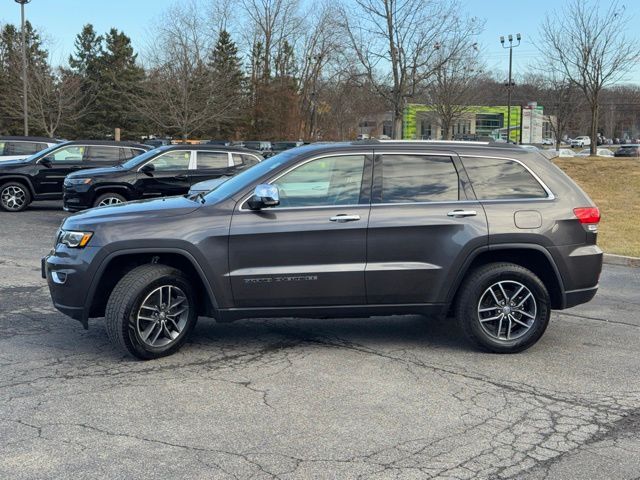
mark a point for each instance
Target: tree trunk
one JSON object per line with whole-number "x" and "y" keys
{"x": 594, "y": 128}
{"x": 397, "y": 125}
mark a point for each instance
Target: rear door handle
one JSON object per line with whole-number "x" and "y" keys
{"x": 343, "y": 217}
{"x": 181, "y": 177}
{"x": 462, "y": 213}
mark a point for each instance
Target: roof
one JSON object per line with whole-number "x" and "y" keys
{"x": 30, "y": 139}
{"x": 217, "y": 148}
{"x": 109, "y": 143}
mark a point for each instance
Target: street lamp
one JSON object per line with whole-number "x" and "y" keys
{"x": 510, "y": 83}
{"x": 24, "y": 67}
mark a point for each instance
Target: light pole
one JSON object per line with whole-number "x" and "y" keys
{"x": 509, "y": 83}
{"x": 24, "y": 68}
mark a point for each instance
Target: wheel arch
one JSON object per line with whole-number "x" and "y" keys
{"x": 536, "y": 258}
{"x": 22, "y": 179}
{"x": 120, "y": 189}
{"x": 118, "y": 263}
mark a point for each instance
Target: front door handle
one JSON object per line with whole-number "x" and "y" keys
{"x": 181, "y": 177}
{"x": 343, "y": 217}
{"x": 462, "y": 213}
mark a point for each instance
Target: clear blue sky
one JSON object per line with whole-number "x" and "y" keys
{"x": 61, "y": 20}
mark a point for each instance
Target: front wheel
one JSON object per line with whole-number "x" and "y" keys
{"x": 151, "y": 311}
{"x": 503, "y": 308}
{"x": 107, "y": 199}
{"x": 14, "y": 197}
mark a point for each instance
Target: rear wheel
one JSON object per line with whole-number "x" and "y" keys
{"x": 151, "y": 311}
{"x": 503, "y": 307}
{"x": 109, "y": 199}
{"x": 14, "y": 197}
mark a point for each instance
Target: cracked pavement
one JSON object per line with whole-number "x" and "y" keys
{"x": 389, "y": 397}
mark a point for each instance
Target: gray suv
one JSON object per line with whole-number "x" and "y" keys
{"x": 495, "y": 235}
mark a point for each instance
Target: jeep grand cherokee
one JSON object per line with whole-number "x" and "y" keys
{"x": 495, "y": 234}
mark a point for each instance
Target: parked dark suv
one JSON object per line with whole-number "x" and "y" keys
{"x": 40, "y": 176}
{"x": 497, "y": 235}
{"x": 164, "y": 171}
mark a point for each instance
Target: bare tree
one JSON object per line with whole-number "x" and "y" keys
{"x": 453, "y": 91}
{"x": 402, "y": 37}
{"x": 588, "y": 47}
{"x": 562, "y": 101}
{"x": 55, "y": 100}
{"x": 275, "y": 22}
{"x": 318, "y": 48}
{"x": 180, "y": 93}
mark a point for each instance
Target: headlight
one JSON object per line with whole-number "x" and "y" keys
{"x": 74, "y": 239}
{"x": 77, "y": 181}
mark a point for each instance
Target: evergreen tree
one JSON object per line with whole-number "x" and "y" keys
{"x": 228, "y": 80}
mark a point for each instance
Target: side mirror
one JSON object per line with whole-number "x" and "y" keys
{"x": 148, "y": 169}
{"x": 264, "y": 196}
{"x": 46, "y": 161}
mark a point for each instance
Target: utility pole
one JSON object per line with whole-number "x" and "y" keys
{"x": 25, "y": 110}
{"x": 510, "y": 83}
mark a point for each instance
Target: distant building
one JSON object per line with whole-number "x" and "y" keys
{"x": 528, "y": 124}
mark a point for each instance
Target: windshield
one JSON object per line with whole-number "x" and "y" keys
{"x": 144, "y": 156}
{"x": 249, "y": 176}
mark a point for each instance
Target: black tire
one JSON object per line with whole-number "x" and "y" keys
{"x": 125, "y": 303}
{"x": 487, "y": 334}
{"x": 106, "y": 196}
{"x": 14, "y": 197}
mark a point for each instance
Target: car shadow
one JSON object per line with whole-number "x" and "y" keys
{"x": 384, "y": 332}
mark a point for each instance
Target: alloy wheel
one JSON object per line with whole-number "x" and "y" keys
{"x": 13, "y": 197}
{"x": 109, "y": 201}
{"x": 507, "y": 310}
{"x": 162, "y": 316}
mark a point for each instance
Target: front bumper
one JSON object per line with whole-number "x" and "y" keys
{"x": 69, "y": 274}
{"x": 74, "y": 201}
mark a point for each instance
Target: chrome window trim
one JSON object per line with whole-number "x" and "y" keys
{"x": 550, "y": 195}
{"x": 298, "y": 165}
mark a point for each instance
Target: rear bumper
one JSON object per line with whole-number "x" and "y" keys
{"x": 578, "y": 297}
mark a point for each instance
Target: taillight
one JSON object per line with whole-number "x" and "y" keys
{"x": 589, "y": 216}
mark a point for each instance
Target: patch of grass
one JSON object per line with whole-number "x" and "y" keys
{"x": 614, "y": 185}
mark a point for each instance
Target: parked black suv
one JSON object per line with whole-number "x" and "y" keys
{"x": 497, "y": 235}
{"x": 164, "y": 171}
{"x": 40, "y": 176}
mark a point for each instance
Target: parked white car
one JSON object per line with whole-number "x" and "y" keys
{"x": 547, "y": 141}
{"x": 562, "y": 153}
{"x": 582, "y": 141}
{"x": 600, "y": 152}
{"x": 17, "y": 148}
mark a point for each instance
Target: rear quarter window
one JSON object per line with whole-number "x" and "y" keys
{"x": 501, "y": 179}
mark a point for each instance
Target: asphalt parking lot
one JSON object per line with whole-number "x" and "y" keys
{"x": 393, "y": 397}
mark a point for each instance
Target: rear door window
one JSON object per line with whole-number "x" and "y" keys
{"x": 212, "y": 160}
{"x": 103, "y": 154}
{"x": 501, "y": 179}
{"x": 23, "y": 148}
{"x": 411, "y": 178}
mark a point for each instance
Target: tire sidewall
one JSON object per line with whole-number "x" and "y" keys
{"x": 470, "y": 314}
{"x": 27, "y": 196}
{"x": 130, "y": 332}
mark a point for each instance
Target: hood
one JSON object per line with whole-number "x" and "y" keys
{"x": 140, "y": 212}
{"x": 96, "y": 172}
{"x": 10, "y": 164}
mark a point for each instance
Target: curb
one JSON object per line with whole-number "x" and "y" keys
{"x": 611, "y": 259}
